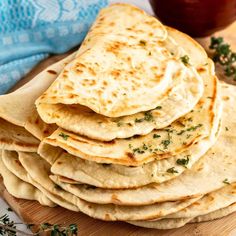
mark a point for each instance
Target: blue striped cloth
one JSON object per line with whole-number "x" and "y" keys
{"x": 30, "y": 30}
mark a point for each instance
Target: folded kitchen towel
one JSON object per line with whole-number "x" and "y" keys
{"x": 32, "y": 29}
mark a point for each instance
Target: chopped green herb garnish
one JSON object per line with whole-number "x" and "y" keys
{"x": 226, "y": 128}
{"x": 139, "y": 120}
{"x": 183, "y": 162}
{"x": 226, "y": 181}
{"x": 138, "y": 150}
{"x": 181, "y": 132}
{"x": 172, "y": 170}
{"x": 165, "y": 143}
{"x": 119, "y": 123}
{"x": 156, "y": 136}
{"x": 64, "y": 136}
{"x": 224, "y": 56}
{"x": 145, "y": 147}
{"x": 148, "y": 116}
{"x": 158, "y": 108}
{"x": 193, "y": 128}
{"x": 185, "y": 59}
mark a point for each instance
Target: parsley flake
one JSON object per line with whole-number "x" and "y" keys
{"x": 226, "y": 181}
{"x": 156, "y": 136}
{"x": 172, "y": 170}
{"x": 185, "y": 59}
{"x": 184, "y": 161}
{"x": 64, "y": 136}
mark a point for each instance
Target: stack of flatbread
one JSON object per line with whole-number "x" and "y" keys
{"x": 134, "y": 127}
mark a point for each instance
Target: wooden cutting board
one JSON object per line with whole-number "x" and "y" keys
{"x": 33, "y": 212}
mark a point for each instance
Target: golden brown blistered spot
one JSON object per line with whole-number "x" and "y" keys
{"x": 211, "y": 198}
{"x": 78, "y": 71}
{"x": 52, "y": 72}
{"x": 201, "y": 69}
{"x": 65, "y": 76}
{"x": 89, "y": 206}
{"x": 114, "y": 94}
{"x": 107, "y": 217}
{"x": 112, "y": 24}
{"x": 158, "y": 77}
{"x": 154, "y": 68}
{"x": 78, "y": 64}
{"x": 196, "y": 203}
{"x": 225, "y": 98}
{"x": 71, "y": 95}
{"x": 115, "y": 199}
{"x": 115, "y": 73}
{"x": 104, "y": 83}
{"x": 101, "y": 19}
{"x": 150, "y": 34}
{"x": 115, "y": 46}
{"x": 68, "y": 87}
{"x": 130, "y": 155}
{"x": 91, "y": 70}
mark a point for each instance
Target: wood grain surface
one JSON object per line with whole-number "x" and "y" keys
{"x": 33, "y": 212}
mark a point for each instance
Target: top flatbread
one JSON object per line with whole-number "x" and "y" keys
{"x": 184, "y": 93}
{"x": 122, "y": 68}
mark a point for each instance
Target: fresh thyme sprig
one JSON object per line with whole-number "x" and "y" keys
{"x": 8, "y": 227}
{"x": 224, "y": 56}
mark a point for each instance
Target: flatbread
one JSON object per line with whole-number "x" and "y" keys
{"x": 131, "y": 56}
{"x": 82, "y": 120}
{"x": 156, "y": 145}
{"x": 13, "y": 137}
{"x": 20, "y": 125}
{"x": 20, "y": 189}
{"x": 210, "y": 202}
{"x": 118, "y": 176}
{"x": 207, "y": 175}
{"x": 179, "y": 222}
{"x": 38, "y": 175}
